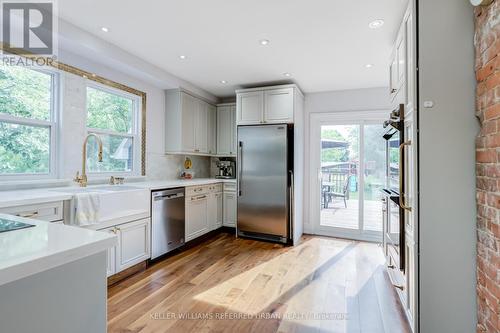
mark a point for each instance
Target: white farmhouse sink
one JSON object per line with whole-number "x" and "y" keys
{"x": 118, "y": 203}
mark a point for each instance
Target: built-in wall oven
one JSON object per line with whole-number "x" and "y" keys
{"x": 393, "y": 212}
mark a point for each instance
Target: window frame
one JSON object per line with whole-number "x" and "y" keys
{"x": 135, "y": 132}
{"x": 51, "y": 125}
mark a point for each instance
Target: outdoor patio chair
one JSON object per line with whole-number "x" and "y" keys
{"x": 331, "y": 193}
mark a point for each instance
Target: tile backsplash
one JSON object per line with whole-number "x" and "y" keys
{"x": 163, "y": 167}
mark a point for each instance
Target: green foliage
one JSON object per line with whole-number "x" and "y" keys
{"x": 333, "y": 154}
{"x": 24, "y": 93}
{"x": 110, "y": 112}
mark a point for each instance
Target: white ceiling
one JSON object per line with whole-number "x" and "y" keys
{"x": 324, "y": 44}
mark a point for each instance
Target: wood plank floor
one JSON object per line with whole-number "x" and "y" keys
{"x": 238, "y": 285}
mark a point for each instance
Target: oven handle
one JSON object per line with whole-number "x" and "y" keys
{"x": 401, "y": 176}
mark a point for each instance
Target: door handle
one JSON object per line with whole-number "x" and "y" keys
{"x": 401, "y": 176}
{"x": 240, "y": 166}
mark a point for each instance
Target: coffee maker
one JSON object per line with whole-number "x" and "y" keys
{"x": 227, "y": 170}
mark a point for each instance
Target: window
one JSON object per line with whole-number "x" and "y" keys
{"x": 27, "y": 122}
{"x": 113, "y": 115}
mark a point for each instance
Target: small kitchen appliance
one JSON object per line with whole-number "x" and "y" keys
{"x": 226, "y": 170}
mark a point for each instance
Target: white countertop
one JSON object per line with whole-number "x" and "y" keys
{"x": 164, "y": 184}
{"x": 29, "y": 251}
{"x": 43, "y": 195}
{"x": 33, "y": 196}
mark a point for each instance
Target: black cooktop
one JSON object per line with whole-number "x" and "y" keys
{"x": 9, "y": 225}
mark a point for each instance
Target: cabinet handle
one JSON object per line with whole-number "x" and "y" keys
{"x": 27, "y": 215}
{"x": 401, "y": 176}
{"x": 198, "y": 198}
{"x": 393, "y": 90}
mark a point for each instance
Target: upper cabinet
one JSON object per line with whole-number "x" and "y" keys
{"x": 226, "y": 130}
{"x": 190, "y": 124}
{"x": 250, "y": 107}
{"x": 266, "y": 105}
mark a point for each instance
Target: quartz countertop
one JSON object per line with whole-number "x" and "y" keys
{"x": 43, "y": 195}
{"x": 29, "y": 197}
{"x": 165, "y": 184}
{"x": 29, "y": 251}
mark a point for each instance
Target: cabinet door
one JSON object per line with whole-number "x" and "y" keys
{"x": 212, "y": 211}
{"x": 189, "y": 115}
{"x": 133, "y": 243}
{"x": 233, "y": 138}
{"x": 201, "y": 131}
{"x": 220, "y": 213}
{"x": 250, "y": 107}
{"x": 224, "y": 130}
{"x": 212, "y": 129}
{"x": 111, "y": 255}
{"x": 229, "y": 205}
{"x": 393, "y": 76}
{"x": 196, "y": 216}
{"x": 278, "y": 106}
{"x": 410, "y": 67}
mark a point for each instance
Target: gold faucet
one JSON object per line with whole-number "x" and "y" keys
{"x": 82, "y": 180}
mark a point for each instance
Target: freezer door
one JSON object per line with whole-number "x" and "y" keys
{"x": 262, "y": 201}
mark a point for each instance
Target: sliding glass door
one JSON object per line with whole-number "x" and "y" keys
{"x": 350, "y": 160}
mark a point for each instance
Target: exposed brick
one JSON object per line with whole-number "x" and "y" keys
{"x": 487, "y": 66}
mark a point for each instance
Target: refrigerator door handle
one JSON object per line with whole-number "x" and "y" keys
{"x": 292, "y": 199}
{"x": 240, "y": 165}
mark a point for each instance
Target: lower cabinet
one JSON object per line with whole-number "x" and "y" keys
{"x": 196, "y": 216}
{"x": 134, "y": 245}
{"x": 209, "y": 207}
{"x": 215, "y": 210}
{"x": 229, "y": 204}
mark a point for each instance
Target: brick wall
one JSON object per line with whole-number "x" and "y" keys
{"x": 487, "y": 43}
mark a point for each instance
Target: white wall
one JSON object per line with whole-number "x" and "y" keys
{"x": 110, "y": 62}
{"x": 337, "y": 101}
{"x": 447, "y": 167}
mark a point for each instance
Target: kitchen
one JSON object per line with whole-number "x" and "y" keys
{"x": 234, "y": 183}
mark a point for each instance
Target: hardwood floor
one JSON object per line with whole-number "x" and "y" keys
{"x": 238, "y": 285}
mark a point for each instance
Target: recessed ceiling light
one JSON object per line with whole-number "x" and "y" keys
{"x": 369, "y": 65}
{"x": 182, "y": 57}
{"x": 287, "y": 74}
{"x": 376, "y": 24}
{"x": 223, "y": 81}
{"x": 264, "y": 41}
{"x": 105, "y": 29}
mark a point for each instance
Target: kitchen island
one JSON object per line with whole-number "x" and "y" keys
{"x": 53, "y": 278}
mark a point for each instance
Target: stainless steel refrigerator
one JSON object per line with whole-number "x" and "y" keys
{"x": 265, "y": 182}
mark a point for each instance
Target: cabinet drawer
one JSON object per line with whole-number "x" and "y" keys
{"x": 229, "y": 187}
{"x": 196, "y": 190}
{"x": 51, "y": 211}
{"x": 215, "y": 188}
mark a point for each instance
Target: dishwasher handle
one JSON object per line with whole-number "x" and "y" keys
{"x": 169, "y": 196}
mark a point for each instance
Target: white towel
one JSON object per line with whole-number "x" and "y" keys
{"x": 87, "y": 206}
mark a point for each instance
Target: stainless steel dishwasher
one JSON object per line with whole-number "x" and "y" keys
{"x": 167, "y": 221}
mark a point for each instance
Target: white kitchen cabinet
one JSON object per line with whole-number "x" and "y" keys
{"x": 189, "y": 115}
{"x": 196, "y": 216}
{"x": 278, "y": 106}
{"x": 212, "y": 129}
{"x": 250, "y": 107}
{"x": 267, "y": 105}
{"x": 230, "y": 206}
{"x": 111, "y": 255}
{"x": 215, "y": 213}
{"x": 133, "y": 243}
{"x": 189, "y": 124}
{"x": 50, "y": 211}
{"x": 226, "y": 130}
{"x": 201, "y": 128}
